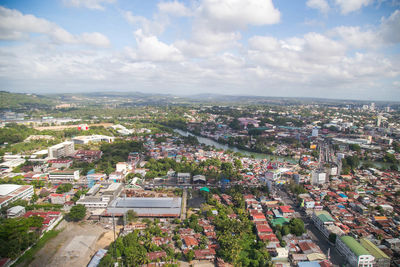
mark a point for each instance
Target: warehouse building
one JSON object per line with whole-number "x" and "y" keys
{"x": 355, "y": 254}
{"x": 146, "y": 207}
{"x": 381, "y": 259}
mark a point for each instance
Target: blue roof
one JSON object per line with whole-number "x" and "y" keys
{"x": 342, "y": 195}
{"x": 308, "y": 264}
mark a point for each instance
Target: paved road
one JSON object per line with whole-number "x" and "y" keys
{"x": 184, "y": 201}
{"x": 336, "y": 258}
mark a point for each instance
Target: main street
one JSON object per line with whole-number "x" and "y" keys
{"x": 336, "y": 258}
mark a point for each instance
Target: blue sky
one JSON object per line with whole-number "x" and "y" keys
{"x": 314, "y": 48}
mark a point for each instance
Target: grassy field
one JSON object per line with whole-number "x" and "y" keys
{"x": 28, "y": 256}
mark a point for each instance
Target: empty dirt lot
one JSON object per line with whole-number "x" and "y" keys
{"x": 74, "y": 246}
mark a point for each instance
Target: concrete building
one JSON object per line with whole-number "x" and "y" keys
{"x": 92, "y": 138}
{"x": 355, "y": 254}
{"x": 64, "y": 176}
{"x": 100, "y": 195}
{"x": 318, "y": 177}
{"x": 64, "y": 149}
{"x": 322, "y": 219}
{"x": 15, "y": 212}
{"x": 314, "y": 132}
{"x": 381, "y": 259}
{"x": 12, "y": 192}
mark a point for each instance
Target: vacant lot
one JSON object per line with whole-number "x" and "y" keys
{"x": 74, "y": 246}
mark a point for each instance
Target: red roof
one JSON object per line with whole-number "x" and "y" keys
{"x": 286, "y": 209}
{"x": 190, "y": 241}
{"x": 156, "y": 255}
{"x": 264, "y": 228}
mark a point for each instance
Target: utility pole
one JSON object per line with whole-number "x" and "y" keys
{"x": 114, "y": 252}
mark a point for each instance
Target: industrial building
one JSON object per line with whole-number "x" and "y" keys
{"x": 354, "y": 252}
{"x": 146, "y": 206}
{"x": 381, "y": 259}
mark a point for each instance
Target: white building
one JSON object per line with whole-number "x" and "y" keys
{"x": 12, "y": 192}
{"x": 15, "y": 212}
{"x": 64, "y": 149}
{"x": 318, "y": 178}
{"x": 64, "y": 176}
{"x": 355, "y": 254}
{"x": 92, "y": 138}
{"x": 314, "y": 132}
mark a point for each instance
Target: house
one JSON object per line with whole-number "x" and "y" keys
{"x": 204, "y": 254}
{"x": 154, "y": 256}
{"x": 116, "y": 177}
{"x": 286, "y": 211}
{"x": 189, "y": 242}
{"x": 50, "y": 218}
{"x": 199, "y": 179}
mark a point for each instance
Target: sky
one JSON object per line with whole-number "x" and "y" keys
{"x": 343, "y": 49}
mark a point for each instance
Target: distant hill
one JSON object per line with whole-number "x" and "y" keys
{"x": 23, "y": 101}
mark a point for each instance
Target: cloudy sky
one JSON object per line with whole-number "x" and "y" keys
{"x": 315, "y": 48}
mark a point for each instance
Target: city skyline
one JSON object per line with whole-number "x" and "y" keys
{"x": 315, "y": 48}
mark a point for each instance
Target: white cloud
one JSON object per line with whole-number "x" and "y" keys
{"x": 321, "y": 5}
{"x": 16, "y": 26}
{"x": 356, "y": 38}
{"x": 95, "y": 39}
{"x": 91, "y": 4}
{"x": 174, "y": 8}
{"x": 149, "y": 48}
{"x": 232, "y": 15}
{"x": 390, "y": 28}
{"x": 348, "y": 6}
{"x": 155, "y": 26}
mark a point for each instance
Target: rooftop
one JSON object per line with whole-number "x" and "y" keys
{"x": 354, "y": 246}
{"x": 6, "y": 189}
{"x": 374, "y": 250}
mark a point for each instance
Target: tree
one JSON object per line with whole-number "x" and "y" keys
{"x": 77, "y": 213}
{"x": 296, "y": 226}
{"x": 34, "y": 198}
{"x": 190, "y": 255}
{"x": 131, "y": 216}
{"x": 332, "y": 238}
{"x": 63, "y": 188}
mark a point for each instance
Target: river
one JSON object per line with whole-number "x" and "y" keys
{"x": 211, "y": 142}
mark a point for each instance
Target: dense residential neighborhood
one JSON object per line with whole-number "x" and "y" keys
{"x": 301, "y": 185}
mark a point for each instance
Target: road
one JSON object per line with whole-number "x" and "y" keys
{"x": 336, "y": 258}
{"x": 184, "y": 201}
